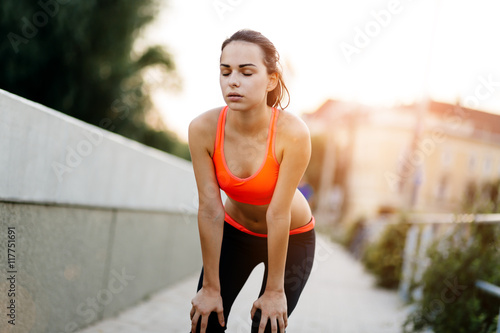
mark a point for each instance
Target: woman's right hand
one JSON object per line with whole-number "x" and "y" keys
{"x": 204, "y": 303}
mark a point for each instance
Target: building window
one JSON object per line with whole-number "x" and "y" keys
{"x": 487, "y": 166}
{"x": 446, "y": 159}
{"x": 442, "y": 188}
{"x": 472, "y": 163}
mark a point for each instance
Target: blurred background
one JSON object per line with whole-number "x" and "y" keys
{"x": 383, "y": 71}
{"x": 402, "y": 99}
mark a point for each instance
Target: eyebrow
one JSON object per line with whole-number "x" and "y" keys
{"x": 240, "y": 66}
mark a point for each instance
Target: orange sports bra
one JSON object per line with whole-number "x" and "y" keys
{"x": 257, "y": 189}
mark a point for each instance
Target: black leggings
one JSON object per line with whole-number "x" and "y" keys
{"x": 241, "y": 252}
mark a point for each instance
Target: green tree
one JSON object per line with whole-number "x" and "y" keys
{"x": 78, "y": 57}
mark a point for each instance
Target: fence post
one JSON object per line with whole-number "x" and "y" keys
{"x": 492, "y": 290}
{"x": 408, "y": 261}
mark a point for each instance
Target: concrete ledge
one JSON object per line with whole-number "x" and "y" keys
{"x": 50, "y": 157}
{"x": 76, "y": 266}
{"x": 100, "y": 221}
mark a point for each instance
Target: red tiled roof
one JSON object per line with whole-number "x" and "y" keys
{"x": 482, "y": 121}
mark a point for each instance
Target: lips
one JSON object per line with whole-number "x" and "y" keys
{"x": 234, "y": 97}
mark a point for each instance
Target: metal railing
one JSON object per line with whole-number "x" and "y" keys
{"x": 492, "y": 290}
{"x": 419, "y": 239}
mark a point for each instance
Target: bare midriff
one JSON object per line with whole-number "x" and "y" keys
{"x": 253, "y": 217}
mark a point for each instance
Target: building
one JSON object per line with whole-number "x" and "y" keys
{"x": 427, "y": 157}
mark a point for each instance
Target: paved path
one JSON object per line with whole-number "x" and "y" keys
{"x": 339, "y": 297}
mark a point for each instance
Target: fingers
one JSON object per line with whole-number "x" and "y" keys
{"x": 204, "y": 323}
{"x": 276, "y": 322}
{"x": 191, "y": 313}
{"x": 194, "y": 322}
{"x": 274, "y": 326}
{"x": 252, "y": 312}
{"x": 220, "y": 314}
{"x": 282, "y": 324}
{"x": 262, "y": 324}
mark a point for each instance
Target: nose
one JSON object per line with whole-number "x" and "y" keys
{"x": 233, "y": 80}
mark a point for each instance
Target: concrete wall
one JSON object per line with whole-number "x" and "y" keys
{"x": 100, "y": 221}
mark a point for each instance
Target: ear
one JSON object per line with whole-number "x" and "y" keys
{"x": 273, "y": 81}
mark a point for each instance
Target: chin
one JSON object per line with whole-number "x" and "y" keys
{"x": 237, "y": 106}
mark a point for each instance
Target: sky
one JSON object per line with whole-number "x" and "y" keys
{"x": 375, "y": 52}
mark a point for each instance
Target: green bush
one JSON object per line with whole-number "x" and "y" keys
{"x": 384, "y": 258}
{"x": 353, "y": 231}
{"x": 451, "y": 303}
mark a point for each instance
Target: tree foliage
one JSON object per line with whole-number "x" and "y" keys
{"x": 78, "y": 57}
{"x": 482, "y": 198}
{"x": 451, "y": 303}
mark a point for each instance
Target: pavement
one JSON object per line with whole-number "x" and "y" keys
{"x": 339, "y": 297}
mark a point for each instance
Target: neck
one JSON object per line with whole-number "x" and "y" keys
{"x": 250, "y": 122}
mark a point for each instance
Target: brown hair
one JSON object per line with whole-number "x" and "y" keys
{"x": 271, "y": 60}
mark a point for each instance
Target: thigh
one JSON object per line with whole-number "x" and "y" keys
{"x": 239, "y": 256}
{"x": 299, "y": 263}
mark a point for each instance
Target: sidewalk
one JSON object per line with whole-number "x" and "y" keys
{"x": 339, "y": 297}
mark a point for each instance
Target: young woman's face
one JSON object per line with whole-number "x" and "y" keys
{"x": 243, "y": 76}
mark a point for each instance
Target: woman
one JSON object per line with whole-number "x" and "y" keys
{"x": 257, "y": 154}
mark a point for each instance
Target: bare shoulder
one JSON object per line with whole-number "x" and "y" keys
{"x": 292, "y": 136}
{"x": 290, "y": 126}
{"x": 202, "y": 129}
{"x": 205, "y": 122}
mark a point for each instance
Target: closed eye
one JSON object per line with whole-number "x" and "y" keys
{"x": 245, "y": 74}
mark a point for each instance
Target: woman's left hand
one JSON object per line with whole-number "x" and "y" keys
{"x": 273, "y": 306}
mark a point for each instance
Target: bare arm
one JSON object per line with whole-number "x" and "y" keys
{"x": 296, "y": 155}
{"x": 210, "y": 223}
